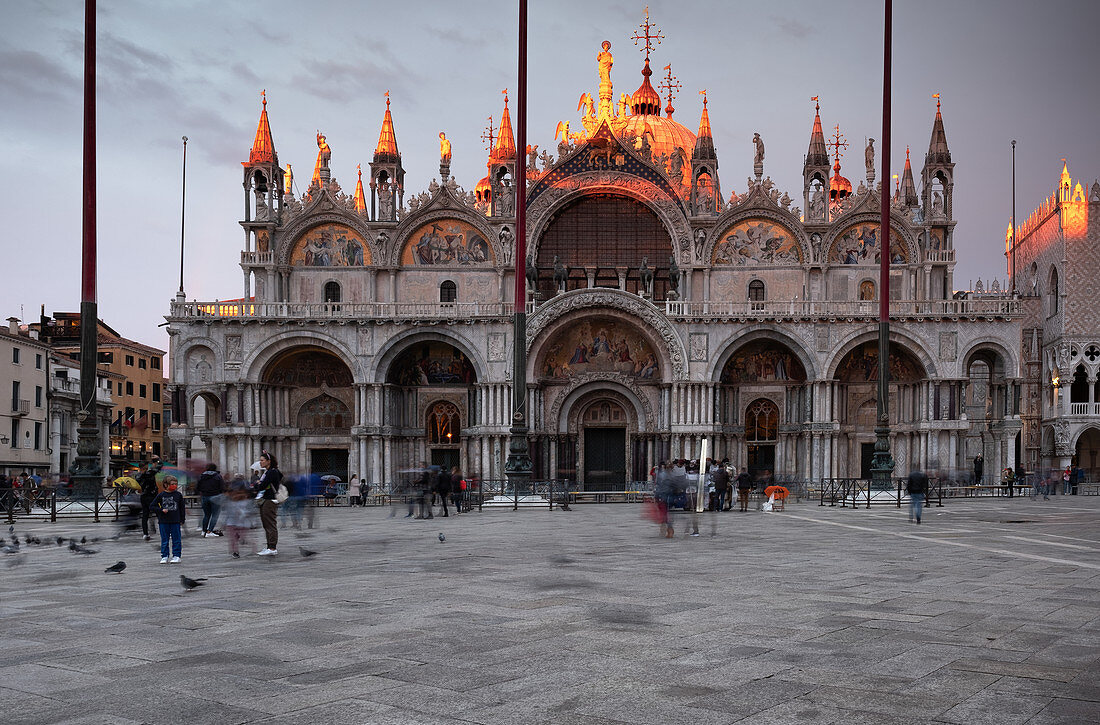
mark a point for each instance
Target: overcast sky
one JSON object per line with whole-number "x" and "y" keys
{"x": 1006, "y": 69}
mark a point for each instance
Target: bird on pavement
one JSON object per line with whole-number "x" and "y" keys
{"x": 83, "y": 550}
{"x": 306, "y": 553}
{"x": 83, "y": 539}
{"x": 116, "y": 569}
{"x": 189, "y": 584}
{"x": 442, "y": 538}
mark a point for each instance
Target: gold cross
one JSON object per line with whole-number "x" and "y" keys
{"x": 838, "y": 142}
{"x": 646, "y": 36}
{"x": 670, "y": 83}
{"x": 488, "y": 136}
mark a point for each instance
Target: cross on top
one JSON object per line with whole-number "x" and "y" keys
{"x": 658, "y": 36}
{"x": 670, "y": 83}
{"x": 488, "y": 136}
{"x": 838, "y": 142}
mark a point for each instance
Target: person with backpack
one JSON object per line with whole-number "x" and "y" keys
{"x": 171, "y": 512}
{"x": 210, "y": 488}
{"x": 265, "y": 490}
{"x": 721, "y": 479}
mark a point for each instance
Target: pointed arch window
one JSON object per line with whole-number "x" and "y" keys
{"x": 762, "y": 422}
{"x": 1053, "y": 292}
{"x": 443, "y": 424}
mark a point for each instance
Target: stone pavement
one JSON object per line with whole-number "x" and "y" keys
{"x": 985, "y": 613}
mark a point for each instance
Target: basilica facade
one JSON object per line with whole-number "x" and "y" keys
{"x": 374, "y": 331}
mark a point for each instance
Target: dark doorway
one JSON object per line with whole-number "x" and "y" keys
{"x": 761, "y": 457}
{"x": 329, "y": 461}
{"x": 866, "y": 458}
{"x": 604, "y": 458}
{"x": 445, "y": 458}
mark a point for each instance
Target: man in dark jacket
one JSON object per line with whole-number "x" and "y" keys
{"x": 210, "y": 488}
{"x": 721, "y": 478}
{"x": 443, "y": 488}
{"x": 744, "y": 485}
{"x": 148, "y": 481}
{"x": 171, "y": 513}
{"x": 917, "y": 489}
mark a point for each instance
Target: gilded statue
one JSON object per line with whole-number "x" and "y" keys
{"x": 324, "y": 152}
{"x": 444, "y": 149}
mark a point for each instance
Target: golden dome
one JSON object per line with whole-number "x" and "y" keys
{"x": 839, "y": 187}
{"x": 667, "y": 136}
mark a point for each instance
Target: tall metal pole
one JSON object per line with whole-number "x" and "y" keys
{"x": 183, "y": 213}
{"x": 86, "y": 470}
{"x": 517, "y": 467}
{"x": 882, "y": 466}
{"x": 1012, "y": 249}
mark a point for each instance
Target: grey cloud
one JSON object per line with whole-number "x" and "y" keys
{"x": 791, "y": 27}
{"x": 26, "y": 73}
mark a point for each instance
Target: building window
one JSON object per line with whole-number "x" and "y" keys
{"x": 155, "y": 363}
{"x": 37, "y": 436}
{"x": 105, "y": 358}
{"x": 130, "y": 360}
{"x": 332, "y": 291}
{"x": 443, "y": 424}
{"x": 448, "y": 292}
{"x": 156, "y": 392}
{"x": 38, "y": 396}
{"x": 15, "y": 355}
{"x": 1053, "y": 291}
{"x": 110, "y": 386}
{"x": 129, "y": 388}
{"x": 38, "y": 362}
{"x": 142, "y": 390}
{"x": 757, "y": 295}
{"x": 15, "y": 395}
{"x": 14, "y": 432}
{"x": 141, "y": 363}
{"x": 156, "y": 448}
{"x": 154, "y": 423}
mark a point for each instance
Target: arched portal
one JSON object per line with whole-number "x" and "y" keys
{"x": 762, "y": 396}
{"x": 856, "y": 406}
{"x": 1087, "y": 454}
{"x": 310, "y": 388}
{"x": 601, "y": 240}
{"x": 431, "y": 397}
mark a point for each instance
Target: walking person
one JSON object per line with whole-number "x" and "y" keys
{"x": 721, "y": 479}
{"x": 353, "y": 490}
{"x": 917, "y": 489}
{"x": 239, "y": 516}
{"x": 210, "y": 488}
{"x": 171, "y": 512}
{"x": 265, "y": 490}
{"x": 147, "y": 479}
{"x": 364, "y": 491}
{"x": 457, "y": 488}
{"x": 1008, "y": 479}
{"x": 979, "y": 469}
{"x": 1067, "y": 478}
{"x": 443, "y": 488}
{"x": 662, "y": 497}
{"x": 744, "y": 485}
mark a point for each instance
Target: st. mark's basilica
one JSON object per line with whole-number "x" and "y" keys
{"x": 374, "y": 329}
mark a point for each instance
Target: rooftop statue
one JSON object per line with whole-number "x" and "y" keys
{"x": 869, "y": 156}
{"x": 444, "y": 149}
{"x": 324, "y": 153}
{"x": 759, "y": 143}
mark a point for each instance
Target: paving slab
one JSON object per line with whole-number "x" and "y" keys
{"x": 811, "y": 615}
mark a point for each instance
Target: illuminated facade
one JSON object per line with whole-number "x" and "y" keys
{"x": 1055, "y": 262}
{"x": 373, "y": 333}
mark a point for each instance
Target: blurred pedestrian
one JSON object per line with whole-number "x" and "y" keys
{"x": 917, "y": 489}
{"x": 1008, "y": 479}
{"x": 721, "y": 479}
{"x": 1067, "y": 478}
{"x": 744, "y": 486}
{"x": 456, "y": 491}
{"x": 210, "y": 488}
{"x": 265, "y": 491}
{"x": 979, "y": 469}
{"x": 443, "y": 488}
{"x": 239, "y": 516}
{"x": 364, "y": 492}
{"x": 353, "y": 490}
{"x": 171, "y": 512}
{"x": 147, "y": 479}
{"x": 663, "y": 496}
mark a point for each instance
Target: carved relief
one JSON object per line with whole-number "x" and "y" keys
{"x": 233, "y": 348}
{"x": 948, "y": 346}
{"x": 495, "y": 347}
{"x": 697, "y": 347}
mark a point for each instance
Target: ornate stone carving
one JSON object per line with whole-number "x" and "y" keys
{"x": 602, "y": 379}
{"x": 495, "y": 348}
{"x": 698, "y": 347}
{"x": 233, "y": 348}
{"x": 948, "y": 346}
{"x": 587, "y": 300}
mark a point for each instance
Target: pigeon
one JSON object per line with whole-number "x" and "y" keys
{"x": 83, "y": 539}
{"x": 60, "y": 540}
{"x": 306, "y": 553}
{"x": 84, "y": 550}
{"x": 442, "y": 538}
{"x": 189, "y": 584}
{"x": 116, "y": 569}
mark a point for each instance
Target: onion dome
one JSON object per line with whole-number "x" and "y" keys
{"x": 505, "y": 148}
{"x": 645, "y": 100}
{"x": 839, "y": 187}
{"x": 360, "y": 198}
{"x": 263, "y": 148}
{"x": 666, "y": 136}
{"x": 386, "y": 151}
{"x": 704, "y": 142}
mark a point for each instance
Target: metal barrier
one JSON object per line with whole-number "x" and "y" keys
{"x": 856, "y": 492}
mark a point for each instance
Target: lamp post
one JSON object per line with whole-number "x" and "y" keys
{"x": 1012, "y": 249}
{"x": 882, "y": 465}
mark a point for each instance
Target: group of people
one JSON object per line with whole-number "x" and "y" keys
{"x": 434, "y": 487}
{"x": 675, "y": 487}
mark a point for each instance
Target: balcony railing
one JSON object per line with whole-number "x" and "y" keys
{"x": 1084, "y": 408}
{"x": 839, "y": 310}
{"x": 20, "y": 407}
{"x": 941, "y": 255}
{"x": 257, "y": 257}
{"x": 798, "y": 309}
{"x": 341, "y": 310}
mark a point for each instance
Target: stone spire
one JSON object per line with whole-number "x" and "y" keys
{"x": 360, "y": 197}
{"x": 938, "y": 153}
{"x": 263, "y": 148}
{"x": 704, "y": 141}
{"x": 386, "y": 151}
{"x": 817, "y": 155}
{"x": 908, "y": 188}
{"x": 505, "y": 148}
